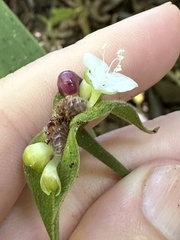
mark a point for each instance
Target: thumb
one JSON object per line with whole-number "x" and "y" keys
{"x": 143, "y": 205}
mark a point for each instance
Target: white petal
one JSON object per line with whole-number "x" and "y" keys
{"x": 93, "y": 63}
{"x": 112, "y": 82}
{"x": 120, "y": 83}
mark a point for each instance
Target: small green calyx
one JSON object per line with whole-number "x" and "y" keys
{"x": 87, "y": 91}
{"x": 37, "y": 155}
{"x": 50, "y": 181}
{"x": 86, "y": 77}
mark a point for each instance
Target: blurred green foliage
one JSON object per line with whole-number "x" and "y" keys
{"x": 18, "y": 47}
{"x": 57, "y": 15}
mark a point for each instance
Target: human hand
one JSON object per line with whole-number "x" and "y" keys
{"x": 99, "y": 206}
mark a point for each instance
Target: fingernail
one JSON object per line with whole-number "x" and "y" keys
{"x": 161, "y": 200}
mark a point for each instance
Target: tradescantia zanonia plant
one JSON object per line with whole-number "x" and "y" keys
{"x": 51, "y": 161}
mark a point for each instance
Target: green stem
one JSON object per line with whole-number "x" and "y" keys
{"x": 87, "y": 142}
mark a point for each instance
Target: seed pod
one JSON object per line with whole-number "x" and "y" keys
{"x": 37, "y": 155}
{"x": 68, "y": 83}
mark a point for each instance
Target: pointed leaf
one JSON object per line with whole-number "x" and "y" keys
{"x": 129, "y": 114}
{"x": 47, "y": 205}
{"x": 69, "y": 165}
{"x": 67, "y": 170}
{"x": 87, "y": 142}
{"x": 118, "y": 108}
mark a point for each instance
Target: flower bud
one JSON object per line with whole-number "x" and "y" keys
{"x": 37, "y": 155}
{"x": 68, "y": 83}
{"x": 50, "y": 181}
{"x": 85, "y": 90}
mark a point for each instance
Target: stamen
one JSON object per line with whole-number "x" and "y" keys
{"x": 120, "y": 53}
{"x": 109, "y": 69}
{"x": 118, "y": 68}
{"x": 119, "y": 58}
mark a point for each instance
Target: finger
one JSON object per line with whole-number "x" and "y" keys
{"x": 95, "y": 178}
{"x": 143, "y": 205}
{"x": 35, "y": 84}
{"x": 133, "y": 147}
{"x": 24, "y": 221}
{"x": 26, "y": 97}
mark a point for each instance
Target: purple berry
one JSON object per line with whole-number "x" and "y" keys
{"x": 68, "y": 83}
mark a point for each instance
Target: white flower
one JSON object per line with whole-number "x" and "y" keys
{"x": 101, "y": 77}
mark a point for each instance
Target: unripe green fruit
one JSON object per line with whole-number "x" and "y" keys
{"x": 50, "y": 181}
{"x": 37, "y": 155}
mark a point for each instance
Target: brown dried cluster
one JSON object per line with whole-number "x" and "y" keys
{"x": 57, "y": 128}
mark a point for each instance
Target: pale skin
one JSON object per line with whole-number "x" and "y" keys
{"x": 100, "y": 205}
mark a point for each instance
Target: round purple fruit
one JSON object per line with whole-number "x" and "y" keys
{"x": 68, "y": 83}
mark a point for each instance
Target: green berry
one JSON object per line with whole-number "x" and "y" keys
{"x": 37, "y": 155}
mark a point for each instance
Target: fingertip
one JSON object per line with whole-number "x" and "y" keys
{"x": 160, "y": 201}
{"x": 119, "y": 212}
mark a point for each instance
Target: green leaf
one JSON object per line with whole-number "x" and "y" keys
{"x": 57, "y": 15}
{"x": 129, "y": 114}
{"x": 60, "y": 14}
{"x": 57, "y": 98}
{"x": 47, "y": 205}
{"x": 40, "y": 137}
{"x": 87, "y": 142}
{"x": 119, "y": 108}
{"x": 17, "y": 46}
{"x": 69, "y": 165}
{"x": 67, "y": 170}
